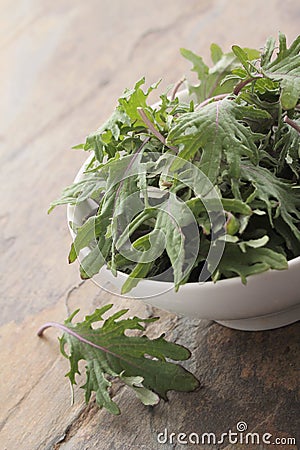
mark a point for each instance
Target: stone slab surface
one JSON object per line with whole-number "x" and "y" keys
{"x": 64, "y": 64}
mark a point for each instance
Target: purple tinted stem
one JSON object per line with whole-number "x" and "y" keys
{"x": 152, "y": 128}
{"x": 73, "y": 333}
{"x": 211, "y": 99}
{"x": 292, "y": 123}
{"x": 244, "y": 83}
{"x": 176, "y": 87}
{"x": 65, "y": 329}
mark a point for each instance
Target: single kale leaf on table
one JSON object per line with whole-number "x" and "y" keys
{"x": 142, "y": 364}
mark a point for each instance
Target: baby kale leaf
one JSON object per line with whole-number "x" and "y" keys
{"x": 248, "y": 261}
{"x": 145, "y": 365}
{"x": 213, "y": 80}
{"x": 285, "y": 69}
{"x": 279, "y": 197}
{"x": 220, "y": 131}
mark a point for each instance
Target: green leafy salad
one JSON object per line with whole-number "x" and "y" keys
{"x": 210, "y": 171}
{"x": 239, "y": 126}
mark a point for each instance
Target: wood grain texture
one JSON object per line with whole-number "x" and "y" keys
{"x": 64, "y": 64}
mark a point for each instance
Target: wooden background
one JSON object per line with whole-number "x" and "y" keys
{"x": 63, "y": 66}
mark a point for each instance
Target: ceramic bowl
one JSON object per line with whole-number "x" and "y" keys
{"x": 268, "y": 300}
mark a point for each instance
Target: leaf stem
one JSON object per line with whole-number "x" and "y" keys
{"x": 66, "y": 329}
{"x": 152, "y": 128}
{"x": 244, "y": 83}
{"x": 292, "y": 123}
{"x": 135, "y": 155}
{"x": 211, "y": 99}
{"x": 176, "y": 87}
{"x": 236, "y": 91}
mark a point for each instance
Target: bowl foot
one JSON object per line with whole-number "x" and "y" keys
{"x": 267, "y": 322}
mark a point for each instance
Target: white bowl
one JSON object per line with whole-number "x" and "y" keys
{"x": 269, "y": 300}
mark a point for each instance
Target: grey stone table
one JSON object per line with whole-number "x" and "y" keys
{"x": 64, "y": 64}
